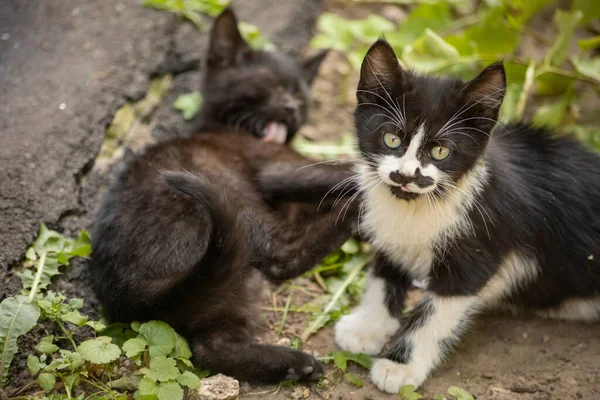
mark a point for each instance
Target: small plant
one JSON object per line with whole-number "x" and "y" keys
{"x": 340, "y": 360}
{"x": 190, "y": 9}
{"x": 407, "y": 392}
{"x": 189, "y": 104}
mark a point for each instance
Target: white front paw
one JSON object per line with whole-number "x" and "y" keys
{"x": 358, "y": 334}
{"x": 390, "y": 376}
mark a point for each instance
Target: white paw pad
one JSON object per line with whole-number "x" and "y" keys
{"x": 390, "y": 376}
{"x": 358, "y": 334}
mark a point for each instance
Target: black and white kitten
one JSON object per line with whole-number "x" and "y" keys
{"x": 509, "y": 218}
{"x": 184, "y": 231}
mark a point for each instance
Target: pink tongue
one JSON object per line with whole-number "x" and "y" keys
{"x": 275, "y": 132}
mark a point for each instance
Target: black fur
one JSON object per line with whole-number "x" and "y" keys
{"x": 183, "y": 233}
{"x": 540, "y": 200}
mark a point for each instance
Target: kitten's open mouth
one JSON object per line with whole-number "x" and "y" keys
{"x": 275, "y": 132}
{"x": 402, "y": 192}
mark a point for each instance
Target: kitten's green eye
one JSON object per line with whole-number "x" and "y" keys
{"x": 391, "y": 140}
{"x": 439, "y": 153}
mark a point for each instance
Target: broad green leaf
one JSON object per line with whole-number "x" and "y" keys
{"x": 162, "y": 369}
{"x": 492, "y": 37}
{"x": 46, "y": 347}
{"x": 361, "y": 359}
{"x": 33, "y": 364}
{"x": 181, "y": 349}
{"x": 130, "y": 382}
{"x": 439, "y": 397}
{"x": 159, "y": 336}
{"x": 339, "y": 360}
{"x": 47, "y": 381}
{"x": 354, "y": 380}
{"x": 551, "y": 115}
{"x": 99, "y": 350}
{"x": 70, "y": 381}
{"x": 75, "y": 304}
{"x": 590, "y": 43}
{"x": 147, "y": 387}
{"x": 134, "y": 346}
{"x": 189, "y": 104}
{"x": 189, "y": 379}
{"x": 589, "y": 8}
{"x": 97, "y": 326}
{"x": 74, "y": 317}
{"x": 254, "y": 37}
{"x": 589, "y": 67}
{"x": 170, "y": 391}
{"x": 551, "y": 84}
{"x": 459, "y": 393}
{"x": 17, "y": 316}
{"x": 434, "y": 16}
{"x": 119, "y": 333}
{"x": 566, "y": 23}
{"x": 408, "y": 393}
{"x": 527, "y": 8}
{"x": 430, "y": 53}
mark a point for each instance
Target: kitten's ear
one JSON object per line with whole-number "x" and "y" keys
{"x": 310, "y": 66}
{"x": 380, "y": 71}
{"x": 226, "y": 45}
{"x": 488, "y": 88}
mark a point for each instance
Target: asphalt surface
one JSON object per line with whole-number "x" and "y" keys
{"x": 65, "y": 68}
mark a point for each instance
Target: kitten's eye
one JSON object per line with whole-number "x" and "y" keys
{"x": 439, "y": 153}
{"x": 391, "y": 140}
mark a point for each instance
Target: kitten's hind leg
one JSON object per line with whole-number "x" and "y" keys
{"x": 234, "y": 352}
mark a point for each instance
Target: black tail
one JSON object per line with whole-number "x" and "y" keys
{"x": 227, "y": 230}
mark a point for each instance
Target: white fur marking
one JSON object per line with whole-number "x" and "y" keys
{"x": 370, "y": 325}
{"x": 575, "y": 310}
{"x": 409, "y": 231}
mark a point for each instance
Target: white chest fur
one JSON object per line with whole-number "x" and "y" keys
{"x": 410, "y": 232}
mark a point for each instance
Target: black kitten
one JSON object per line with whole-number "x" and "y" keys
{"x": 511, "y": 218}
{"x": 181, "y": 235}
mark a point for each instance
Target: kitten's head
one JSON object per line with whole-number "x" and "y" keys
{"x": 419, "y": 134}
{"x": 264, "y": 93}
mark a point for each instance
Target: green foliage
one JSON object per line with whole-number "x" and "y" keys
{"x": 18, "y": 315}
{"x": 340, "y": 360}
{"x": 407, "y": 392}
{"x": 459, "y": 394}
{"x": 99, "y": 350}
{"x": 344, "y": 281}
{"x": 432, "y": 40}
{"x": 254, "y": 37}
{"x": 189, "y": 104}
{"x": 190, "y": 9}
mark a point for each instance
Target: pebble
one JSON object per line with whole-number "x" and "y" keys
{"x": 62, "y": 106}
{"x": 285, "y": 342}
{"x": 218, "y": 387}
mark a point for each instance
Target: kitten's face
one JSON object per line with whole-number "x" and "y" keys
{"x": 264, "y": 93}
{"x": 420, "y": 135}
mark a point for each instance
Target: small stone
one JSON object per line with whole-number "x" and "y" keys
{"x": 306, "y": 393}
{"x": 591, "y": 257}
{"x": 75, "y": 12}
{"x": 297, "y": 394}
{"x": 525, "y": 335}
{"x": 546, "y": 339}
{"x": 5, "y": 36}
{"x": 285, "y": 342}
{"x": 218, "y": 387}
{"x": 62, "y": 106}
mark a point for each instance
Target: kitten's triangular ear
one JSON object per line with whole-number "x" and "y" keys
{"x": 310, "y": 66}
{"x": 226, "y": 43}
{"x": 488, "y": 88}
{"x": 380, "y": 70}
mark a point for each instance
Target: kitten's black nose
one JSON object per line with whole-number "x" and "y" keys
{"x": 401, "y": 179}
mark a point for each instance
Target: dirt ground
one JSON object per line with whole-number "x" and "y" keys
{"x": 503, "y": 357}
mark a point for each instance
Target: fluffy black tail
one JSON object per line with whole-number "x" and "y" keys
{"x": 227, "y": 229}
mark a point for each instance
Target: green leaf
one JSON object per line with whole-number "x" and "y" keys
{"x": 33, "y": 364}
{"x": 181, "y": 349}
{"x": 169, "y": 391}
{"x": 46, "y": 347}
{"x": 70, "y": 381}
{"x": 147, "y": 387}
{"x": 254, "y": 37}
{"x": 339, "y": 360}
{"x": 97, "y": 326}
{"x": 134, "y": 346}
{"x": 589, "y": 8}
{"x": 408, "y": 393}
{"x": 189, "y": 104}
{"x": 435, "y": 17}
{"x": 439, "y": 397}
{"x": 588, "y": 67}
{"x": 163, "y": 369}
{"x": 130, "y": 382}
{"x": 351, "y": 246}
{"x": 189, "y": 379}
{"x": 459, "y": 393}
{"x": 159, "y": 336}
{"x": 99, "y": 350}
{"x": 551, "y": 115}
{"x": 587, "y": 134}
{"x": 493, "y": 37}
{"x": 354, "y": 380}
{"x": 361, "y": 359}
{"x": 47, "y": 381}
{"x": 74, "y": 317}
{"x": 589, "y": 43}
{"x": 17, "y": 316}
{"x": 430, "y": 53}
{"x": 566, "y": 23}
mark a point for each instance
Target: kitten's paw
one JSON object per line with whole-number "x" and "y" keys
{"x": 390, "y": 376}
{"x": 358, "y": 333}
{"x": 304, "y": 367}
